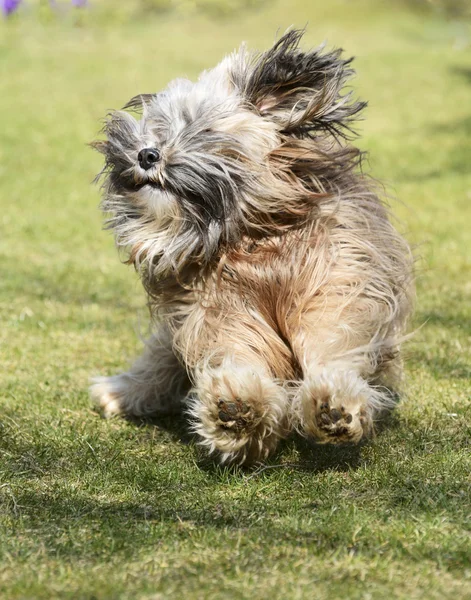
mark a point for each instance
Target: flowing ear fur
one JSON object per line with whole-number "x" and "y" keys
{"x": 300, "y": 90}
{"x": 137, "y": 102}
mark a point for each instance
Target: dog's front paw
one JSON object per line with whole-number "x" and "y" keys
{"x": 238, "y": 413}
{"x": 334, "y": 408}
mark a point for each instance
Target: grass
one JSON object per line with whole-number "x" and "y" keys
{"x": 95, "y": 509}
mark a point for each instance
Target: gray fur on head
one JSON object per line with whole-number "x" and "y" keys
{"x": 231, "y": 155}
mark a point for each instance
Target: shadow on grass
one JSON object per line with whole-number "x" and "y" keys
{"x": 450, "y": 364}
{"x": 71, "y": 500}
{"x": 92, "y": 523}
{"x": 443, "y": 367}
{"x": 312, "y": 457}
{"x": 455, "y": 161}
{"x": 455, "y": 320}
{"x": 462, "y": 72}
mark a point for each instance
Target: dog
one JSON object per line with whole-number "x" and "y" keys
{"x": 278, "y": 288}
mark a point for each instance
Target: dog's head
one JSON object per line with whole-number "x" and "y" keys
{"x": 244, "y": 152}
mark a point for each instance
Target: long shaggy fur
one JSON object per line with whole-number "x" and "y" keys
{"x": 279, "y": 288}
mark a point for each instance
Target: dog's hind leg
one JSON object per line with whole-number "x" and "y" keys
{"x": 155, "y": 384}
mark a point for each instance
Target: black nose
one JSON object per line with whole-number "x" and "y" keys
{"x": 148, "y": 157}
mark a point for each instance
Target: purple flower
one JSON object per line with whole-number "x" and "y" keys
{"x": 9, "y": 6}
{"x": 79, "y": 3}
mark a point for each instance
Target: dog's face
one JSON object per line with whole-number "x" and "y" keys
{"x": 241, "y": 152}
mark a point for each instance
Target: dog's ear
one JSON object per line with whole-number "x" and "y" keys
{"x": 300, "y": 90}
{"x": 137, "y": 102}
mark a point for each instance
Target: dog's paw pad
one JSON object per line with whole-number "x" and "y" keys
{"x": 339, "y": 425}
{"x": 235, "y": 414}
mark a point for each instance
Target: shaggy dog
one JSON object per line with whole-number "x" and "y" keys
{"x": 279, "y": 288}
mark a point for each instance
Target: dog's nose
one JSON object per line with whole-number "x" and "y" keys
{"x": 148, "y": 157}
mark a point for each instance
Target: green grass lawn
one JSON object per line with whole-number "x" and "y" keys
{"x": 96, "y": 509}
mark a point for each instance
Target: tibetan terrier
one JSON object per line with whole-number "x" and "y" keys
{"x": 279, "y": 289}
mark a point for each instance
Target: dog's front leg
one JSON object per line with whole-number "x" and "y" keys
{"x": 155, "y": 384}
{"x": 340, "y": 395}
{"x": 239, "y": 411}
{"x": 335, "y": 405}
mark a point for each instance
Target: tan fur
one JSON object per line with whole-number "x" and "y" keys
{"x": 289, "y": 313}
